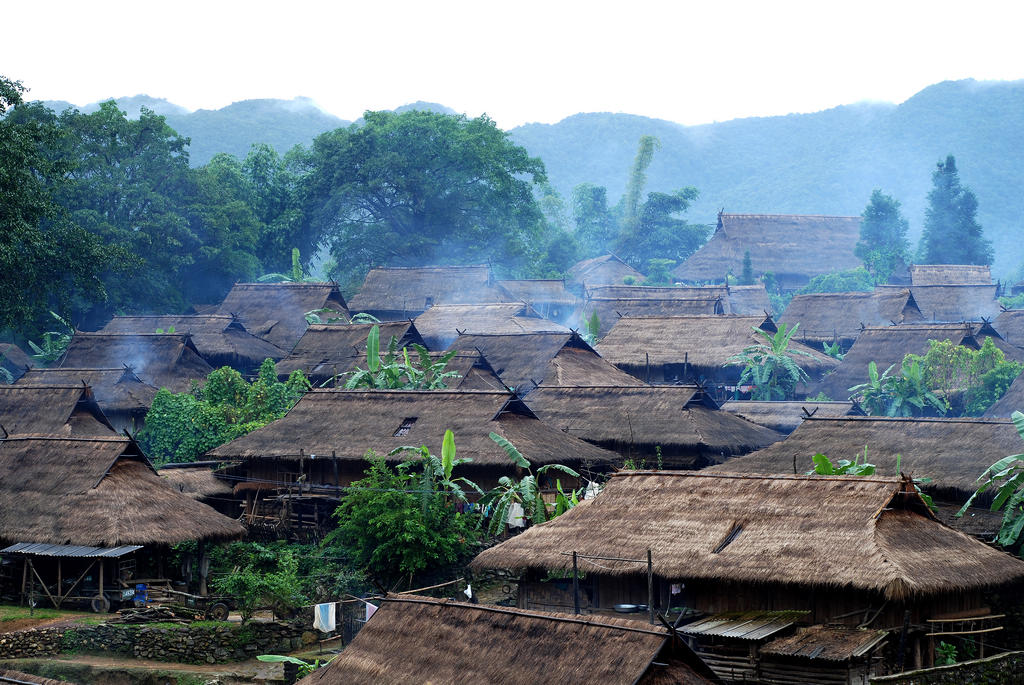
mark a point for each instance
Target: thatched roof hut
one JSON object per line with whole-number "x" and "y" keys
{"x": 952, "y": 452}
{"x": 840, "y": 317}
{"x": 766, "y": 531}
{"x": 612, "y": 302}
{"x": 326, "y": 350}
{"x": 220, "y": 339}
{"x": 348, "y": 423}
{"x": 15, "y": 360}
{"x": 524, "y": 361}
{"x": 680, "y": 421}
{"x": 124, "y": 397}
{"x": 785, "y": 417}
{"x": 547, "y": 296}
{"x": 953, "y": 303}
{"x": 404, "y": 292}
{"x": 196, "y": 479}
{"x": 604, "y": 270}
{"x": 688, "y": 348}
{"x": 167, "y": 360}
{"x": 950, "y": 274}
{"x": 793, "y": 247}
{"x": 443, "y": 323}
{"x": 492, "y": 644}
{"x": 52, "y": 410}
{"x": 1010, "y": 324}
{"x": 887, "y": 345}
{"x": 473, "y": 372}
{"x": 749, "y": 300}
{"x": 276, "y": 312}
{"x": 96, "y": 492}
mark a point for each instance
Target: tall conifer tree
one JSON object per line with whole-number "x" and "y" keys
{"x": 951, "y": 231}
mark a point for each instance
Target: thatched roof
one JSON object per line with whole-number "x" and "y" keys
{"x": 786, "y": 416}
{"x": 524, "y": 361}
{"x": 443, "y": 323}
{"x": 1011, "y": 401}
{"x": 611, "y": 303}
{"x": 348, "y": 423}
{"x": 162, "y": 360}
{"x": 414, "y": 639}
{"x": 474, "y": 373}
{"x": 407, "y": 291}
{"x": 749, "y": 300}
{"x": 276, "y": 312}
{"x": 325, "y": 350}
{"x": 827, "y": 317}
{"x": 784, "y": 244}
{"x": 116, "y": 390}
{"x": 220, "y": 339}
{"x": 780, "y": 530}
{"x": 95, "y": 491}
{"x": 681, "y": 420}
{"x": 1010, "y": 324}
{"x": 952, "y": 452}
{"x": 14, "y": 359}
{"x": 701, "y": 344}
{"x": 950, "y": 274}
{"x": 52, "y": 410}
{"x": 540, "y": 291}
{"x": 604, "y": 270}
{"x": 886, "y": 345}
{"x": 196, "y": 480}
{"x": 953, "y": 303}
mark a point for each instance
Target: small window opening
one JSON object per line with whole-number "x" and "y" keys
{"x": 404, "y": 428}
{"x": 429, "y": 302}
{"x": 727, "y": 540}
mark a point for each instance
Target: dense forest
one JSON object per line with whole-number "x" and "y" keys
{"x": 822, "y": 163}
{"x": 111, "y": 212}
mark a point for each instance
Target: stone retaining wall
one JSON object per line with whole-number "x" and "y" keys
{"x": 217, "y": 643}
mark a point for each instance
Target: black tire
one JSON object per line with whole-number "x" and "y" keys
{"x": 100, "y": 604}
{"x": 218, "y": 612}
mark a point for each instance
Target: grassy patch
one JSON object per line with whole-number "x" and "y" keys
{"x": 15, "y": 613}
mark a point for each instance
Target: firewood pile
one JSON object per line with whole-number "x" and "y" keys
{"x": 157, "y": 614}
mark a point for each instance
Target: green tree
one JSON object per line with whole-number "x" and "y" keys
{"x": 902, "y": 394}
{"x": 659, "y": 232}
{"x": 393, "y": 527}
{"x": 770, "y": 365}
{"x": 268, "y": 577}
{"x": 851, "y": 280}
{"x": 637, "y": 180}
{"x": 422, "y": 188}
{"x": 596, "y": 227}
{"x": 747, "y": 278}
{"x": 47, "y": 261}
{"x": 883, "y": 245}
{"x": 394, "y": 372}
{"x": 182, "y": 426}
{"x": 951, "y": 231}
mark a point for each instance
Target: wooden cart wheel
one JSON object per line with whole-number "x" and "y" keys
{"x": 218, "y": 612}
{"x": 100, "y": 604}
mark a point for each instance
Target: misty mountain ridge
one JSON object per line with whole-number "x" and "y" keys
{"x": 825, "y": 162}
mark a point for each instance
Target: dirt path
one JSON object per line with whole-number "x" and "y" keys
{"x": 27, "y": 623}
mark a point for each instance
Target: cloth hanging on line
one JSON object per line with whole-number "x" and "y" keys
{"x": 323, "y": 617}
{"x": 370, "y": 609}
{"x": 516, "y": 516}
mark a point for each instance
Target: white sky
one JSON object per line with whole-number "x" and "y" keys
{"x": 523, "y": 61}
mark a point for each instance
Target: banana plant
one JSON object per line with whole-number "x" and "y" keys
{"x": 1006, "y": 476}
{"x": 525, "y": 492}
{"x": 769, "y": 366}
{"x": 54, "y": 343}
{"x": 435, "y": 475}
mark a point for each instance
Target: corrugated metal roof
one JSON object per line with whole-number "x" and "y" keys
{"x": 743, "y": 625}
{"x": 43, "y": 550}
{"x": 827, "y": 643}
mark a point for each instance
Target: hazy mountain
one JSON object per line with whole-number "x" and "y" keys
{"x": 822, "y": 163}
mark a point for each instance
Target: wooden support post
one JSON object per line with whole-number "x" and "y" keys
{"x": 103, "y": 564}
{"x": 902, "y": 655}
{"x": 60, "y": 578}
{"x": 203, "y": 568}
{"x": 24, "y": 579}
{"x": 650, "y": 586}
{"x": 575, "y": 586}
{"x": 334, "y": 463}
